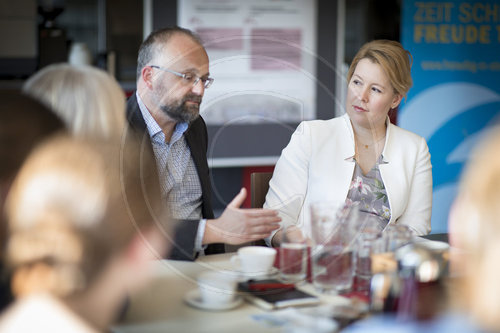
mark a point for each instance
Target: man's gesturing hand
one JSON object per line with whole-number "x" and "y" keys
{"x": 237, "y": 225}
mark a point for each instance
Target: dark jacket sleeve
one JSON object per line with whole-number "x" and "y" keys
{"x": 183, "y": 233}
{"x": 197, "y": 139}
{"x": 182, "y": 247}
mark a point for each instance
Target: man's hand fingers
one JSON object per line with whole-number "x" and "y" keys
{"x": 260, "y": 211}
{"x": 263, "y": 220}
{"x": 262, "y": 229}
{"x": 238, "y": 199}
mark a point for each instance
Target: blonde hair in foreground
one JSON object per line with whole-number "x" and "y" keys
{"x": 475, "y": 227}
{"x": 74, "y": 205}
{"x": 89, "y": 100}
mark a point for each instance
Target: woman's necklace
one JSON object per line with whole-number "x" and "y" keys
{"x": 367, "y": 158}
{"x": 370, "y": 144}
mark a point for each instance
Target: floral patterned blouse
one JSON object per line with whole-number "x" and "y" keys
{"x": 368, "y": 191}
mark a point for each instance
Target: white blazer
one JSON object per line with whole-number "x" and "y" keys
{"x": 316, "y": 165}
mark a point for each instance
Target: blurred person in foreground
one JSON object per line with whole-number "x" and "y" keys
{"x": 83, "y": 228}
{"x": 92, "y": 105}
{"x": 474, "y": 227}
{"x": 474, "y": 233}
{"x": 360, "y": 157}
{"x": 172, "y": 75}
{"x": 88, "y": 99}
{"x": 25, "y": 122}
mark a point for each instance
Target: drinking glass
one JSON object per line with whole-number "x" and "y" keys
{"x": 397, "y": 235}
{"x": 369, "y": 241}
{"x": 367, "y": 245}
{"x": 332, "y": 254}
{"x": 293, "y": 255}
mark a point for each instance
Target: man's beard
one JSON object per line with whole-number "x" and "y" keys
{"x": 182, "y": 112}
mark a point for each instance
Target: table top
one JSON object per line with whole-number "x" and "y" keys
{"x": 160, "y": 306}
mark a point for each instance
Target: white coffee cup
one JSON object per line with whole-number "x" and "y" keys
{"x": 216, "y": 287}
{"x": 254, "y": 260}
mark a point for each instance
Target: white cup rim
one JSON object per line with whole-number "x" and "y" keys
{"x": 255, "y": 249}
{"x": 213, "y": 283}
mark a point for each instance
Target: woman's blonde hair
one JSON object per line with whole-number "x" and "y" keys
{"x": 75, "y": 204}
{"x": 475, "y": 230}
{"x": 89, "y": 100}
{"x": 394, "y": 60}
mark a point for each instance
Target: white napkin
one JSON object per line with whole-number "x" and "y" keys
{"x": 295, "y": 320}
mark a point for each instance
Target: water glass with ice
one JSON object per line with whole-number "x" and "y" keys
{"x": 332, "y": 254}
{"x": 293, "y": 255}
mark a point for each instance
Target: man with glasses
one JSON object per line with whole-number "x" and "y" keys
{"x": 172, "y": 75}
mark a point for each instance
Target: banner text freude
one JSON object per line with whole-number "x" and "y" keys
{"x": 447, "y": 23}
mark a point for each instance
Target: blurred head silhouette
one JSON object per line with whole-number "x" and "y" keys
{"x": 89, "y": 100}
{"x": 24, "y": 123}
{"x": 83, "y": 225}
{"x": 475, "y": 232}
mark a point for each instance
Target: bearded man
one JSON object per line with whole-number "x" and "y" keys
{"x": 172, "y": 75}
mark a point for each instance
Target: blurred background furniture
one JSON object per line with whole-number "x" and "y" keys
{"x": 259, "y": 185}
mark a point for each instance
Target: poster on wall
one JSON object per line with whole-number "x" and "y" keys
{"x": 262, "y": 57}
{"x": 455, "y": 96}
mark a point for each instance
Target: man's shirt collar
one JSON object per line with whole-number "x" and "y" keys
{"x": 154, "y": 130}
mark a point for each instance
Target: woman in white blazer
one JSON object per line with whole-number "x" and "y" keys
{"x": 359, "y": 157}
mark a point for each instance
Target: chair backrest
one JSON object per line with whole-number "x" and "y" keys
{"x": 259, "y": 185}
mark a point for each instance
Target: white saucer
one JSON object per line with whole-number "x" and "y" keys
{"x": 260, "y": 275}
{"x": 193, "y": 299}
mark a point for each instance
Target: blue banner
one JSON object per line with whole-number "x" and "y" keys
{"x": 456, "y": 85}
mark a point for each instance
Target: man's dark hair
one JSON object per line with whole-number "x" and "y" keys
{"x": 161, "y": 36}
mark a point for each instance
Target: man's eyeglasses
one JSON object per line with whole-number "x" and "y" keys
{"x": 187, "y": 77}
